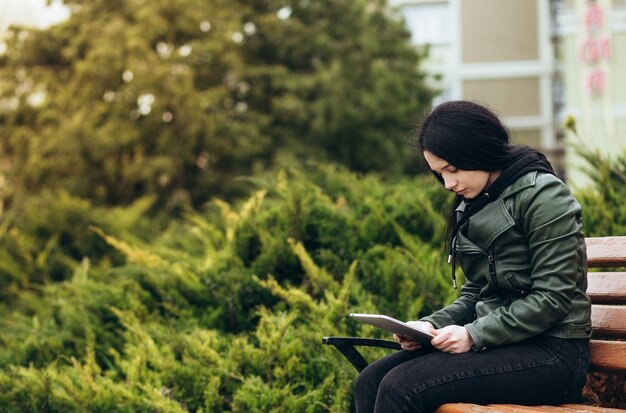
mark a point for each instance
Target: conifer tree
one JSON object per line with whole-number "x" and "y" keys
{"x": 179, "y": 97}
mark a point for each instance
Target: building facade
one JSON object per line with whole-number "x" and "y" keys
{"x": 592, "y": 61}
{"x": 520, "y": 58}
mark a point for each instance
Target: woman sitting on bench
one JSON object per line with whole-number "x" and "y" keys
{"x": 519, "y": 332}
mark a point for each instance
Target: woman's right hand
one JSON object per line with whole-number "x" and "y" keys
{"x": 406, "y": 342}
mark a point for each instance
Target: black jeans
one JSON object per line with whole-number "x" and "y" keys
{"x": 540, "y": 370}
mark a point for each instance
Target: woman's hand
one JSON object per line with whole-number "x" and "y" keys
{"x": 407, "y": 342}
{"x": 452, "y": 339}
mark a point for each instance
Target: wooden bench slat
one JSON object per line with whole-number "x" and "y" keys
{"x": 607, "y": 287}
{"x": 593, "y": 409}
{"x": 477, "y": 408}
{"x": 608, "y": 356}
{"x": 463, "y": 408}
{"x": 564, "y": 408}
{"x": 608, "y": 320}
{"x": 606, "y": 252}
{"x": 514, "y": 408}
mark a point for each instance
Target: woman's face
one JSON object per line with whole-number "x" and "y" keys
{"x": 468, "y": 184}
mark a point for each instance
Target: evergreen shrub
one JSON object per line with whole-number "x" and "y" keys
{"x": 224, "y": 311}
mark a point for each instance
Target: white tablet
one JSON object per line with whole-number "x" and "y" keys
{"x": 395, "y": 326}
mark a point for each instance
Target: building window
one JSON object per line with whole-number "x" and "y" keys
{"x": 429, "y": 22}
{"x": 619, "y": 4}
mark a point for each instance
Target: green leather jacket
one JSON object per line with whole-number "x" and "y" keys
{"x": 525, "y": 264}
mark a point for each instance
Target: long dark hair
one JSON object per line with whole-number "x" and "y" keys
{"x": 471, "y": 137}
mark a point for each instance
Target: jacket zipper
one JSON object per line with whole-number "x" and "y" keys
{"x": 492, "y": 270}
{"x": 515, "y": 284}
{"x": 452, "y": 259}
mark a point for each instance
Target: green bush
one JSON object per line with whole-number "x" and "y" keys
{"x": 604, "y": 212}
{"x": 224, "y": 311}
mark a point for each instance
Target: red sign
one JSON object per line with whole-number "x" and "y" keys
{"x": 595, "y": 50}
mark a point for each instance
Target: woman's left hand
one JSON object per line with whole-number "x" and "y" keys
{"x": 452, "y": 339}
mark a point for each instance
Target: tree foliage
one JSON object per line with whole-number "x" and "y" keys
{"x": 603, "y": 204}
{"x": 177, "y": 98}
{"x": 225, "y": 310}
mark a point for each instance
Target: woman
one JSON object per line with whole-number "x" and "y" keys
{"x": 519, "y": 331}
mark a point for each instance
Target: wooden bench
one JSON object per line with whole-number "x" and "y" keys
{"x": 608, "y": 315}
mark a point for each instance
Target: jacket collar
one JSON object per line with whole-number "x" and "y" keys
{"x": 461, "y": 207}
{"x": 525, "y": 181}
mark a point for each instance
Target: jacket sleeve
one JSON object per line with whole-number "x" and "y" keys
{"x": 460, "y": 312}
{"x": 550, "y": 218}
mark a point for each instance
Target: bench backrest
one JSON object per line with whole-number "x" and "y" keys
{"x": 608, "y": 296}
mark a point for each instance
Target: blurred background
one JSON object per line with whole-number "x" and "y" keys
{"x": 536, "y": 63}
{"x": 194, "y": 192}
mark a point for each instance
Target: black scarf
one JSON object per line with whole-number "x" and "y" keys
{"x": 528, "y": 162}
